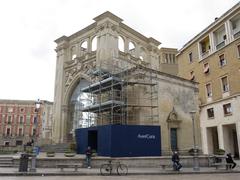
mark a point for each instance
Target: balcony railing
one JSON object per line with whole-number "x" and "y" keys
{"x": 205, "y": 54}
{"x": 220, "y": 45}
{"x": 236, "y": 34}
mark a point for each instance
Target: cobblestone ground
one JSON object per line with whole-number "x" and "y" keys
{"x": 231, "y": 176}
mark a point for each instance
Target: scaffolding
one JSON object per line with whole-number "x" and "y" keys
{"x": 123, "y": 93}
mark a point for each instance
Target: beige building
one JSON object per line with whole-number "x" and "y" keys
{"x": 108, "y": 73}
{"x": 20, "y": 122}
{"x": 212, "y": 59}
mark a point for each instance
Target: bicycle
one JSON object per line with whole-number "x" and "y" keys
{"x": 107, "y": 169}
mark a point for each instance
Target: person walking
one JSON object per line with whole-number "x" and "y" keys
{"x": 229, "y": 160}
{"x": 88, "y": 156}
{"x": 176, "y": 161}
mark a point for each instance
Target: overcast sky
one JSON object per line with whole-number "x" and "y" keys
{"x": 29, "y": 27}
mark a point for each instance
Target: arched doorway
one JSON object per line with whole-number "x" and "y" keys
{"x": 78, "y": 101}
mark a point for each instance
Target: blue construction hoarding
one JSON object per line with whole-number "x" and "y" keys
{"x": 120, "y": 140}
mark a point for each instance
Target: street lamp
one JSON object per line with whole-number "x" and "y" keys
{"x": 34, "y": 153}
{"x": 195, "y": 150}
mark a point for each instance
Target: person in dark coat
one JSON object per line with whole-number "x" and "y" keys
{"x": 176, "y": 161}
{"x": 229, "y": 160}
{"x": 88, "y": 156}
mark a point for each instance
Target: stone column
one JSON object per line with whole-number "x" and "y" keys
{"x": 64, "y": 124}
{"x": 204, "y": 140}
{"x": 89, "y": 45}
{"x": 212, "y": 43}
{"x": 228, "y": 32}
{"x": 126, "y": 45}
{"x": 59, "y": 89}
{"x": 220, "y": 136}
{"x": 238, "y": 135}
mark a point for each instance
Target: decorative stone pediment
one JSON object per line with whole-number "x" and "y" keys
{"x": 172, "y": 119}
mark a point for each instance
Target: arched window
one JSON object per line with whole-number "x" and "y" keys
{"x": 84, "y": 46}
{"x": 132, "y": 48}
{"x": 143, "y": 54}
{"x": 94, "y": 43}
{"x": 73, "y": 53}
{"x": 120, "y": 44}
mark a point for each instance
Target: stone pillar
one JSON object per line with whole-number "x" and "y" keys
{"x": 204, "y": 140}
{"x": 228, "y": 30}
{"x": 212, "y": 42}
{"x": 126, "y": 45}
{"x": 220, "y": 136}
{"x": 89, "y": 45}
{"x": 64, "y": 124}
{"x": 59, "y": 88}
{"x": 238, "y": 135}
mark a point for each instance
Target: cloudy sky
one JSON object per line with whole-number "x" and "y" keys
{"x": 29, "y": 27}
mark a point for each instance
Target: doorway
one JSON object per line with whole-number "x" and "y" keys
{"x": 93, "y": 139}
{"x": 173, "y": 132}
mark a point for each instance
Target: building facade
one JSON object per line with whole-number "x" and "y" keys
{"x": 108, "y": 73}
{"x": 21, "y": 123}
{"x": 212, "y": 59}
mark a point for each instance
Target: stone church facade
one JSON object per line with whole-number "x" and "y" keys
{"x": 138, "y": 87}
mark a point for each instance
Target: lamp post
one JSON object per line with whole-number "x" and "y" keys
{"x": 34, "y": 153}
{"x": 195, "y": 150}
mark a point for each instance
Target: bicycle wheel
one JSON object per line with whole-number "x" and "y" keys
{"x": 105, "y": 169}
{"x": 122, "y": 169}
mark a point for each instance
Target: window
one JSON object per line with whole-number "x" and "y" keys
{"x": 173, "y": 132}
{"x": 206, "y": 68}
{"x": 19, "y": 143}
{"x": 225, "y": 86}
{"x": 8, "y": 131}
{"x": 6, "y": 143}
{"x": 35, "y": 120}
{"x": 238, "y": 49}
{"x": 227, "y": 109}
{"x": 9, "y": 121}
{"x": 209, "y": 90}
{"x": 192, "y": 76}
{"x": 210, "y": 113}
{"x": 222, "y": 60}
{"x": 34, "y": 132}
{"x": 21, "y": 120}
{"x": 10, "y": 109}
{"x": 190, "y": 57}
{"x": 20, "y": 132}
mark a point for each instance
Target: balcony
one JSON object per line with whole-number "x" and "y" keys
{"x": 205, "y": 54}
{"x": 220, "y": 45}
{"x": 236, "y": 33}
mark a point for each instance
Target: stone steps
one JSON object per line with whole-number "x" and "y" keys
{"x": 6, "y": 161}
{"x": 58, "y": 148}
